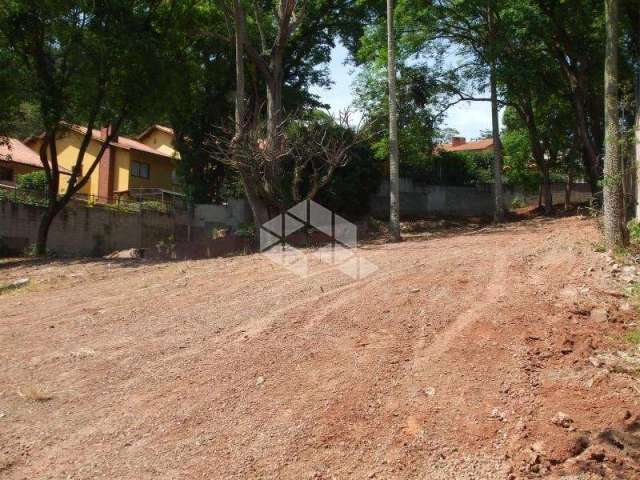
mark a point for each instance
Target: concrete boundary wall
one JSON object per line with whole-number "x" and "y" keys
{"x": 82, "y": 230}
{"x": 93, "y": 231}
{"x": 423, "y": 200}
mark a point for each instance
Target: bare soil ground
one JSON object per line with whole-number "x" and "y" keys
{"x": 477, "y": 353}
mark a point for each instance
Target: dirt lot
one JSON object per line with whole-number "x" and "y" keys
{"x": 479, "y": 353}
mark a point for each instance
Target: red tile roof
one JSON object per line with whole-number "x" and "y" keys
{"x": 123, "y": 142}
{"x": 467, "y": 146}
{"x": 162, "y": 128}
{"x": 18, "y": 152}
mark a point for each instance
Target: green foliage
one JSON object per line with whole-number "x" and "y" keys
{"x": 31, "y": 189}
{"x": 35, "y": 181}
{"x": 450, "y": 168}
{"x": 517, "y": 202}
{"x": 633, "y": 226}
{"x": 599, "y": 247}
{"x": 633, "y": 337}
{"x": 352, "y": 186}
{"x": 246, "y": 230}
{"x": 519, "y": 168}
{"x": 30, "y": 251}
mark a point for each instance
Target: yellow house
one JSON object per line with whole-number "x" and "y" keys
{"x": 17, "y": 159}
{"x": 160, "y": 138}
{"x": 128, "y": 167}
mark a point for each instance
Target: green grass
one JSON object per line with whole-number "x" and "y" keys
{"x": 633, "y": 337}
{"x": 633, "y": 291}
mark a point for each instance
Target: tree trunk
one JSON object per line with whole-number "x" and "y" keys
{"x": 614, "y": 229}
{"x": 637, "y": 145}
{"x": 568, "y": 187}
{"x": 258, "y": 208}
{"x": 547, "y": 193}
{"x": 256, "y": 203}
{"x": 498, "y": 215}
{"x": 540, "y": 191}
{"x": 394, "y": 155}
{"x": 274, "y": 103}
{"x": 43, "y": 228}
{"x": 240, "y": 78}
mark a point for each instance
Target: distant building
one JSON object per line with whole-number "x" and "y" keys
{"x": 128, "y": 167}
{"x": 17, "y": 159}
{"x": 460, "y": 144}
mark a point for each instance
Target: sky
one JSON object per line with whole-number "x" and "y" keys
{"x": 469, "y": 118}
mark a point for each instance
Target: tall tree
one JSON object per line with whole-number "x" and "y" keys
{"x": 614, "y": 224}
{"x": 572, "y": 32}
{"x": 495, "y": 122}
{"x": 85, "y": 61}
{"x": 394, "y": 160}
{"x": 285, "y": 41}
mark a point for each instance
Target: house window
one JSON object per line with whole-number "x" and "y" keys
{"x": 139, "y": 169}
{"x": 6, "y": 174}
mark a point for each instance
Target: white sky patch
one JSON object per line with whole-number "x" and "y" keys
{"x": 468, "y": 118}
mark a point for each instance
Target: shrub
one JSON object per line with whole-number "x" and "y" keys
{"x": 247, "y": 230}
{"x": 349, "y": 191}
{"x": 634, "y": 231}
{"x": 450, "y": 168}
{"x": 35, "y": 181}
{"x": 517, "y": 202}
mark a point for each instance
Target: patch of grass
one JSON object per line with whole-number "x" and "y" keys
{"x": 634, "y": 231}
{"x": 633, "y": 337}
{"x": 35, "y": 393}
{"x": 621, "y": 254}
{"x": 599, "y": 247}
{"x": 633, "y": 290}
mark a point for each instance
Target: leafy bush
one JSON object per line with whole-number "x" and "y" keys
{"x": 450, "y": 168}
{"x": 634, "y": 231}
{"x": 247, "y": 230}
{"x": 349, "y": 191}
{"x": 35, "y": 181}
{"x": 517, "y": 202}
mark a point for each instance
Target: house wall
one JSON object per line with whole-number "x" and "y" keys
{"x": 121, "y": 170}
{"x": 160, "y": 171}
{"x": 18, "y": 168}
{"x": 161, "y": 168}
{"x": 162, "y": 141}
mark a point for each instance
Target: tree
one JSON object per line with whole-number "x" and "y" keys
{"x": 571, "y": 32}
{"x": 202, "y": 96}
{"x": 85, "y": 61}
{"x": 394, "y": 160}
{"x": 614, "y": 224}
{"x": 472, "y": 28}
{"x": 284, "y": 41}
{"x": 495, "y": 123}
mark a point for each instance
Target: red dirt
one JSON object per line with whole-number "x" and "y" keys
{"x": 235, "y": 368}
